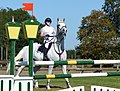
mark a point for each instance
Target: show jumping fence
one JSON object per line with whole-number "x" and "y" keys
{"x": 53, "y": 76}
{"x": 71, "y": 62}
{"x": 79, "y": 88}
{"x": 76, "y": 62}
{"x": 93, "y": 88}
{"x": 101, "y": 88}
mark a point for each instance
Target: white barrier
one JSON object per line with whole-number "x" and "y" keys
{"x": 23, "y": 84}
{"x": 11, "y": 83}
{"x": 80, "y": 88}
{"x": 101, "y": 88}
{"x": 6, "y": 82}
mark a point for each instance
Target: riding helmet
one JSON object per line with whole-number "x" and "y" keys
{"x": 48, "y": 20}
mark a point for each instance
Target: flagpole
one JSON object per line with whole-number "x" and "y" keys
{"x": 32, "y": 13}
{"x": 32, "y": 10}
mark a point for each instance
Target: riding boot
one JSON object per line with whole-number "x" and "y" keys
{"x": 45, "y": 58}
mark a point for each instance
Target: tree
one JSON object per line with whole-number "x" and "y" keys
{"x": 112, "y": 9}
{"x": 97, "y": 37}
{"x": 71, "y": 54}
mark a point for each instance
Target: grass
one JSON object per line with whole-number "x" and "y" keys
{"x": 57, "y": 84}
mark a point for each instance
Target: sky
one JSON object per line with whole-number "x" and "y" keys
{"x": 72, "y": 10}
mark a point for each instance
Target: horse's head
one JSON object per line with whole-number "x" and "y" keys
{"x": 61, "y": 27}
{"x": 61, "y": 32}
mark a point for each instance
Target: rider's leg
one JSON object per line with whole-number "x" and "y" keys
{"x": 47, "y": 47}
{"x": 45, "y": 58}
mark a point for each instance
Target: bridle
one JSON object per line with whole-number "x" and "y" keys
{"x": 58, "y": 42}
{"x": 58, "y": 28}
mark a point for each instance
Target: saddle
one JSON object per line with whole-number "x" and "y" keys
{"x": 44, "y": 50}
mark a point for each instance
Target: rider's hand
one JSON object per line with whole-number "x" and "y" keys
{"x": 47, "y": 35}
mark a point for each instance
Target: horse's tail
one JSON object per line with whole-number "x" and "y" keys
{"x": 8, "y": 66}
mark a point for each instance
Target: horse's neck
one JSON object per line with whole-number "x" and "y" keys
{"x": 58, "y": 45}
{"x": 61, "y": 42}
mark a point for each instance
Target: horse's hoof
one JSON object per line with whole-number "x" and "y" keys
{"x": 69, "y": 86}
{"x": 35, "y": 83}
{"x": 48, "y": 87}
{"x": 17, "y": 76}
{"x": 36, "y": 86}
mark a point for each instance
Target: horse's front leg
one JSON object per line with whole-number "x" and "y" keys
{"x": 66, "y": 79}
{"x": 36, "y": 68}
{"x": 49, "y": 72}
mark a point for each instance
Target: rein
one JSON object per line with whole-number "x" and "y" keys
{"x": 58, "y": 43}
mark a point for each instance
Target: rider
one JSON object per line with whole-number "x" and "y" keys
{"x": 47, "y": 32}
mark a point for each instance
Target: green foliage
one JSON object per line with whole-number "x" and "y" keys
{"x": 97, "y": 37}
{"x": 71, "y": 54}
{"x": 112, "y": 9}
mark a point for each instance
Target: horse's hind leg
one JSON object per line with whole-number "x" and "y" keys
{"x": 66, "y": 79}
{"x": 49, "y": 72}
{"x": 20, "y": 54}
{"x": 19, "y": 70}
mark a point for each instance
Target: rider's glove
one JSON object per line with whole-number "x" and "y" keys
{"x": 47, "y": 35}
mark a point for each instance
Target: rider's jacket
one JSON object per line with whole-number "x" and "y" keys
{"x": 48, "y": 30}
